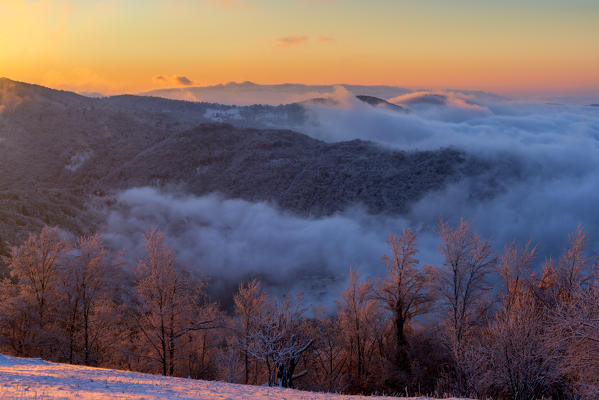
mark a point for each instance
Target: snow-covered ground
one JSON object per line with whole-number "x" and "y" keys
{"x": 22, "y": 378}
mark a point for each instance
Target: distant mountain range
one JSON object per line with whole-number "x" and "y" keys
{"x": 247, "y": 93}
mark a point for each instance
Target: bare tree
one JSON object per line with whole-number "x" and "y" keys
{"x": 18, "y": 333}
{"x": 516, "y": 361}
{"x": 570, "y": 292}
{"x": 169, "y": 302}
{"x": 250, "y": 304}
{"x": 538, "y": 337}
{"x": 227, "y": 361}
{"x": 279, "y": 341}
{"x": 85, "y": 282}
{"x": 4, "y": 254}
{"x": 359, "y": 315}
{"x": 462, "y": 288}
{"x": 514, "y": 358}
{"x": 575, "y": 327}
{"x": 571, "y": 272}
{"x": 404, "y": 291}
{"x": 328, "y": 358}
{"x": 35, "y": 265}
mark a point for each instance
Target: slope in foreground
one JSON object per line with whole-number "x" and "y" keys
{"x": 22, "y": 378}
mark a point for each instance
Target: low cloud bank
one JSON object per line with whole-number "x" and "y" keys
{"x": 231, "y": 240}
{"x": 554, "y": 150}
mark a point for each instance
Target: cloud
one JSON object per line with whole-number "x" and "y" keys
{"x": 293, "y": 40}
{"x": 546, "y": 160}
{"x": 428, "y": 98}
{"x": 183, "y": 80}
{"x": 230, "y": 240}
{"x": 326, "y": 39}
{"x": 447, "y": 106}
{"x": 172, "y": 81}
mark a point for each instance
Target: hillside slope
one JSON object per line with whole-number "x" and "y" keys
{"x": 61, "y": 152}
{"x": 23, "y": 379}
{"x": 296, "y": 172}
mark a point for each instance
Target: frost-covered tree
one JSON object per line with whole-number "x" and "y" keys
{"x": 575, "y": 328}
{"x": 227, "y": 361}
{"x": 360, "y": 318}
{"x": 327, "y": 358}
{"x": 86, "y": 281}
{"x": 250, "y": 304}
{"x": 17, "y": 333}
{"x": 405, "y": 289}
{"x": 561, "y": 279}
{"x": 34, "y": 266}
{"x": 569, "y": 292}
{"x": 279, "y": 340}
{"x": 515, "y": 360}
{"x": 169, "y": 302}
{"x": 515, "y": 269}
{"x": 462, "y": 287}
{"x": 4, "y": 253}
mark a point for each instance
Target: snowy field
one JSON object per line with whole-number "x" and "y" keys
{"x": 22, "y": 378}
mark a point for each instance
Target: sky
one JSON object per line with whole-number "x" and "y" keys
{"x": 530, "y": 47}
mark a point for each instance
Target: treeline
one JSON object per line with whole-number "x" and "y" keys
{"x": 481, "y": 324}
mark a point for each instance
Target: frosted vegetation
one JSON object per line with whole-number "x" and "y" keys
{"x": 419, "y": 329}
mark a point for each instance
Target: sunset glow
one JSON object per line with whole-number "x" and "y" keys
{"x": 109, "y": 46}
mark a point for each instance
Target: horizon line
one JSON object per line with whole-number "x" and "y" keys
{"x": 571, "y": 93}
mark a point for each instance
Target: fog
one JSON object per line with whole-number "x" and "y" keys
{"x": 552, "y": 148}
{"x": 230, "y": 240}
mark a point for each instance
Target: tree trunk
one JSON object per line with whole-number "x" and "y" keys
{"x": 285, "y": 374}
{"x": 246, "y": 363}
{"x": 171, "y": 346}
{"x": 86, "y": 337}
{"x": 163, "y": 346}
{"x": 269, "y": 372}
{"x": 402, "y": 359}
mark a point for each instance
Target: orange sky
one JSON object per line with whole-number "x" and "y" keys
{"x": 115, "y": 46}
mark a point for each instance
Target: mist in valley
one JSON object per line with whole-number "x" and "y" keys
{"x": 538, "y": 183}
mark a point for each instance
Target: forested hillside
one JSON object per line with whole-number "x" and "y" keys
{"x": 62, "y": 156}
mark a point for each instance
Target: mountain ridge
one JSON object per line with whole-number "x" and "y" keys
{"x": 62, "y": 155}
